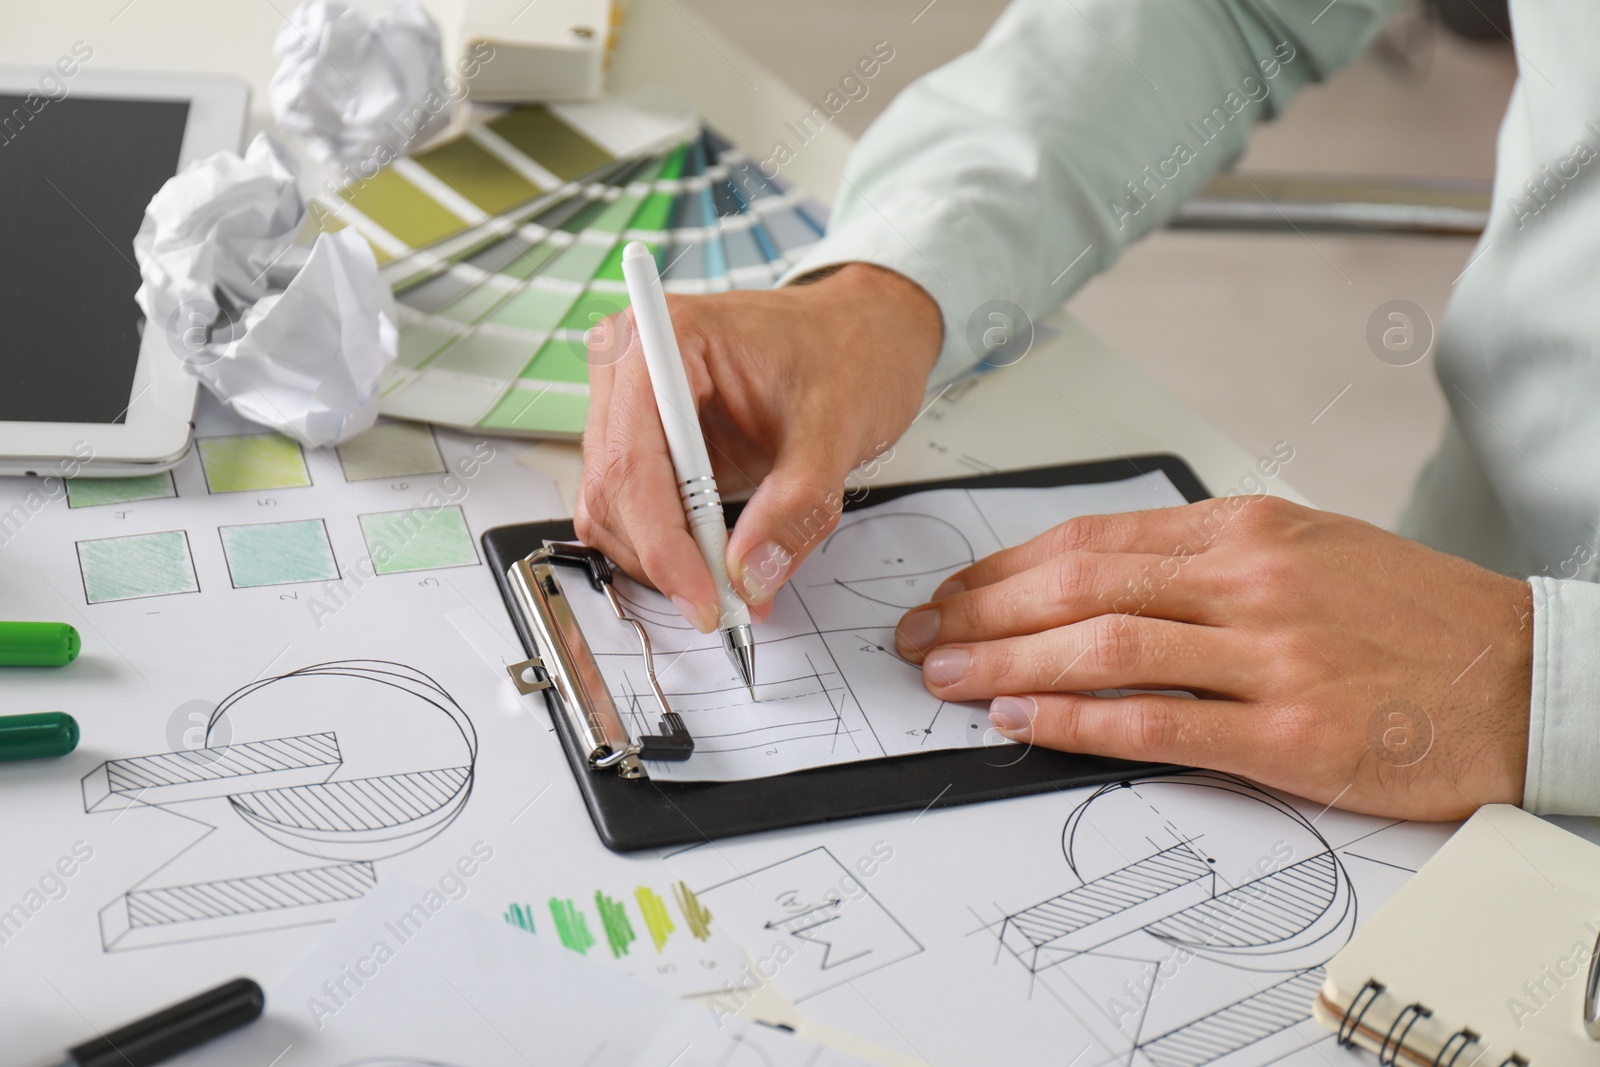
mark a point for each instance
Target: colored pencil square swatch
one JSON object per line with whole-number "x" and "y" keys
{"x": 278, "y": 553}
{"x": 92, "y": 492}
{"x": 140, "y": 565}
{"x": 390, "y": 450}
{"x": 252, "y": 462}
{"x": 418, "y": 540}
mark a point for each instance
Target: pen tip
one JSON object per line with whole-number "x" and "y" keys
{"x": 752, "y": 690}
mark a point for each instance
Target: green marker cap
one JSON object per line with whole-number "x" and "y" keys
{"x": 37, "y": 736}
{"x": 37, "y": 644}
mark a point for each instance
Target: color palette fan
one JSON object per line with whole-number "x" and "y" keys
{"x": 516, "y": 252}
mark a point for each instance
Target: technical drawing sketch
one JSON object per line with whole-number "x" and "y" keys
{"x": 1191, "y": 941}
{"x": 349, "y": 763}
{"x": 835, "y": 928}
{"x": 879, "y": 563}
{"x": 915, "y": 553}
{"x": 830, "y": 686}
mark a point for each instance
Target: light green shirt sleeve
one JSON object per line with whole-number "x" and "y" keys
{"x": 1022, "y": 168}
{"x": 1564, "y": 714}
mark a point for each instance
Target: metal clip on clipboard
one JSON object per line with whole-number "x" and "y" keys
{"x": 566, "y": 663}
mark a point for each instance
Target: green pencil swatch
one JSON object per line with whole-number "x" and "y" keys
{"x": 278, "y": 553}
{"x": 521, "y": 916}
{"x": 92, "y": 492}
{"x": 572, "y": 926}
{"x": 614, "y": 918}
{"x": 141, "y": 565}
{"x": 418, "y": 540}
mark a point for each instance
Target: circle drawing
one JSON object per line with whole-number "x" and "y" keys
{"x": 376, "y": 758}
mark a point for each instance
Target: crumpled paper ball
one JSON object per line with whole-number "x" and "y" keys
{"x": 294, "y": 338}
{"x": 350, "y": 82}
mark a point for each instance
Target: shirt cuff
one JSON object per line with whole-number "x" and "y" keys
{"x": 925, "y": 240}
{"x": 1564, "y": 715}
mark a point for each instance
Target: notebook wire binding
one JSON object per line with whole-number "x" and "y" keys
{"x": 1389, "y": 1044}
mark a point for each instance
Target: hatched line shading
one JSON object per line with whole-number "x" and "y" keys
{"x": 357, "y": 803}
{"x": 206, "y": 772}
{"x": 1239, "y": 1025}
{"x": 242, "y": 896}
{"x": 1110, "y": 895}
{"x": 1274, "y": 908}
{"x": 199, "y": 911}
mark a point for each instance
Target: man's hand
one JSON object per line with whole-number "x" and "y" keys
{"x": 795, "y": 388}
{"x": 1329, "y": 658}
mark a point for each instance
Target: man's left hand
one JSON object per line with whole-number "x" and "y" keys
{"x": 1326, "y": 657}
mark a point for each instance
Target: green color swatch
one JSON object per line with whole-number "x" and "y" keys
{"x": 555, "y": 146}
{"x": 278, "y": 553}
{"x": 475, "y": 303}
{"x": 572, "y": 926}
{"x": 477, "y": 174}
{"x": 252, "y": 462}
{"x": 535, "y": 308}
{"x": 615, "y": 218}
{"x": 488, "y": 355}
{"x": 653, "y": 216}
{"x": 521, "y": 916}
{"x": 531, "y": 410}
{"x": 591, "y": 308}
{"x": 141, "y": 565}
{"x": 527, "y": 264}
{"x": 390, "y": 450}
{"x": 418, "y": 540}
{"x": 578, "y": 263}
{"x": 420, "y": 341}
{"x": 558, "y": 361}
{"x": 92, "y": 492}
{"x": 614, "y": 918}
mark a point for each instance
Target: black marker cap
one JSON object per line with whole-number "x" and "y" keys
{"x": 176, "y": 1029}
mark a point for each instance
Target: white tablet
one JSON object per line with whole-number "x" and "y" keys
{"x": 85, "y": 384}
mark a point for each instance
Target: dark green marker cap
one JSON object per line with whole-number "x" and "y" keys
{"x": 37, "y": 736}
{"x": 37, "y": 644}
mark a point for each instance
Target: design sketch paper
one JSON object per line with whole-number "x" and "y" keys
{"x": 1178, "y": 920}
{"x": 411, "y": 980}
{"x": 291, "y": 689}
{"x": 830, "y": 686}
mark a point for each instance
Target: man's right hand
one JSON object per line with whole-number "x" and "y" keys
{"x": 795, "y": 388}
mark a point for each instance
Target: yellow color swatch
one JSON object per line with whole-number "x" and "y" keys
{"x": 252, "y": 462}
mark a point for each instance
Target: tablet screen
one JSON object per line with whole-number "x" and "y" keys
{"x": 75, "y": 176}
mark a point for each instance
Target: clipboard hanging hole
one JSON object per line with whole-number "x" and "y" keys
{"x": 528, "y": 676}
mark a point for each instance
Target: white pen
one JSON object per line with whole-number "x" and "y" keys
{"x": 702, "y": 504}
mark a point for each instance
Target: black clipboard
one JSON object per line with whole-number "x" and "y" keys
{"x": 645, "y": 813}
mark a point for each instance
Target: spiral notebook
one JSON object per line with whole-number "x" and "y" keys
{"x": 1484, "y": 958}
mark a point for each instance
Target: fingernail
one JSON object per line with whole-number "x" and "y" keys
{"x": 764, "y": 569}
{"x": 949, "y": 587}
{"x": 947, "y": 665}
{"x": 1011, "y": 713}
{"x": 917, "y": 631}
{"x": 693, "y": 615}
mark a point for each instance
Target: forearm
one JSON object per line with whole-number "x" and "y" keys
{"x": 1022, "y": 168}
